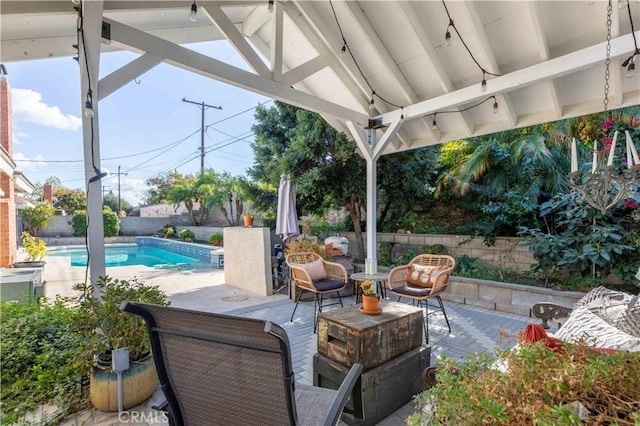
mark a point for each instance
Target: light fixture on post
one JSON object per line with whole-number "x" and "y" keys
{"x": 193, "y": 15}
{"x": 607, "y": 183}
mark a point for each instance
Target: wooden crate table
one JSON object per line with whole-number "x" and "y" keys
{"x": 388, "y": 345}
{"x": 348, "y": 336}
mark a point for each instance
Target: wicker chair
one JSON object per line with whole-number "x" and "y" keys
{"x": 443, "y": 265}
{"x": 335, "y": 279}
{"x": 222, "y": 370}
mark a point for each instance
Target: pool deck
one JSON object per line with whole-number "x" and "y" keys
{"x": 473, "y": 328}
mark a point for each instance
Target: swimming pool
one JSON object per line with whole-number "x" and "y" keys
{"x": 126, "y": 256}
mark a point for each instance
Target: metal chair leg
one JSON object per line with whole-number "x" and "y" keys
{"x": 444, "y": 312}
{"x": 339, "y": 299}
{"x": 317, "y": 308}
{"x": 425, "y": 320}
{"x": 297, "y": 301}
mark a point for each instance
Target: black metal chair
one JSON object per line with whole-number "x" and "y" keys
{"x": 222, "y": 370}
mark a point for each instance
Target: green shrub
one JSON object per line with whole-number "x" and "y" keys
{"x": 434, "y": 249}
{"x": 36, "y": 250}
{"x": 535, "y": 391}
{"x": 384, "y": 254}
{"x": 79, "y": 223}
{"x": 37, "y": 218}
{"x": 111, "y": 223}
{"x": 216, "y": 238}
{"x": 186, "y": 233}
{"x": 40, "y": 363}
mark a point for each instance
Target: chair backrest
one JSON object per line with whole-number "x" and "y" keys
{"x": 218, "y": 369}
{"x": 305, "y": 257}
{"x": 441, "y": 262}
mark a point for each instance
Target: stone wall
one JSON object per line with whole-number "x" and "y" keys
{"x": 60, "y": 226}
{"x": 507, "y": 251}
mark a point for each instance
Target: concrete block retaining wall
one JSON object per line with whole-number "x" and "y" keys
{"x": 505, "y": 253}
{"x": 505, "y": 297}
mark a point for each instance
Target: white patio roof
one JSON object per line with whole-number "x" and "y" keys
{"x": 547, "y": 56}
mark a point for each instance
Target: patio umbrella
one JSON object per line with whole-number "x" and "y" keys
{"x": 287, "y": 218}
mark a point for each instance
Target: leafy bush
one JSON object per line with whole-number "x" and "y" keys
{"x": 186, "y": 233}
{"x": 111, "y": 223}
{"x": 36, "y": 250}
{"x": 37, "y": 218}
{"x": 384, "y": 253}
{"x": 216, "y": 238}
{"x": 583, "y": 240}
{"x": 434, "y": 249}
{"x": 40, "y": 363}
{"x": 536, "y": 389}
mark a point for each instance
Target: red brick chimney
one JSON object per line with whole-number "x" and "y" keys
{"x": 8, "y": 238}
{"x": 47, "y": 193}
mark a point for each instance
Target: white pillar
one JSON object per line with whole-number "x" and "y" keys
{"x": 89, "y": 58}
{"x": 372, "y": 253}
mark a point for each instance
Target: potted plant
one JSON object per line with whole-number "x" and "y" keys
{"x": 35, "y": 249}
{"x": 370, "y": 300}
{"x": 168, "y": 231}
{"x": 186, "y": 235}
{"x": 107, "y": 328}
{"x": 248, "y": 219}
{"x": 216, "y": 239}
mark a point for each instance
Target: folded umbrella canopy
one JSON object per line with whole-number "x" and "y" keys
{"x": 287, "y": 218}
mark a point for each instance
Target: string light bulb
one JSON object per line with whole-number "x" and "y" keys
{"x": 434, "y": 125}
{"x": 495, "y": 106}
{"x": 193, "y": 15}
{"x": 372, "y": 105}
{"x": 447, "y": 35}
{"x": 88, "y": 109}
{"x": 344, "y": 49}
{"x": 270, "y": 6}
{"x": 631, "y": 68}
{"x": 622, "y": 4}
{"x": 483, "y": 85}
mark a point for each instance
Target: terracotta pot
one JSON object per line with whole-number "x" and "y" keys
{"x": 248, "y": 221}
{"x": 371, "y": 303}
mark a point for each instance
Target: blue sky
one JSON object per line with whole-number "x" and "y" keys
{"x": 149, "y": 116}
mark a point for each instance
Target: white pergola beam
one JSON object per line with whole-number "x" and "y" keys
{"x": 359, "y": 18}
{"x": 256, "y": 20}
{"x": 237, "y": 40}
{"x": 187, "y": 59}
{"x": 543, "y": 48}
{"x": 553, "y": 68}
{"x": 473, "y": 17}
{"x": 117, "y": 79}
{"x": 276, "y": 42}
{"x": 303, "y": 71}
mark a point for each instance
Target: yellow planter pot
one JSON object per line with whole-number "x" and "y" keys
{"x": 138, "y": 384}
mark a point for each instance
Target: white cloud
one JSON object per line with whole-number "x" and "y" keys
{"x": 131, "y": 190}
{"x": 27, "y": 106}
{"x": 31, "y": 165}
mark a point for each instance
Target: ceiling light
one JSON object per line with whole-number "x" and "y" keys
{"x": 193, "y": 15}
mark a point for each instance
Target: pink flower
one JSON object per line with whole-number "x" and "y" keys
{"x": 607, "y": 124}
{"x": 630, "y": 204}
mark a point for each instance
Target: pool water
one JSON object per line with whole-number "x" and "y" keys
{"x": 126, "y": 256}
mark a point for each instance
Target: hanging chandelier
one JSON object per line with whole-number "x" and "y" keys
{"x": 608, "y": 183}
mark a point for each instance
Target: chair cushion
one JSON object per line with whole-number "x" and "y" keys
{"x": 584, "y": 324}
{"x": 420, "y": 275}
{"x": 315, "y": 269}
{"x": 605, "y": 303}
{"x": 328, "y": 285}
{"x": 412, "y": 290}
{"x": 313, "y": 403}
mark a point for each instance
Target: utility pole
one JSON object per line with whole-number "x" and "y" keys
{"x": 119, "y": 200}
{"x": 202, "y": 106}
{"x": 104, "y": 189}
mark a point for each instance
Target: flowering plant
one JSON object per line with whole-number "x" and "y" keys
{"x": 168, "y": 230}
{"x": 367, "y": 288}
